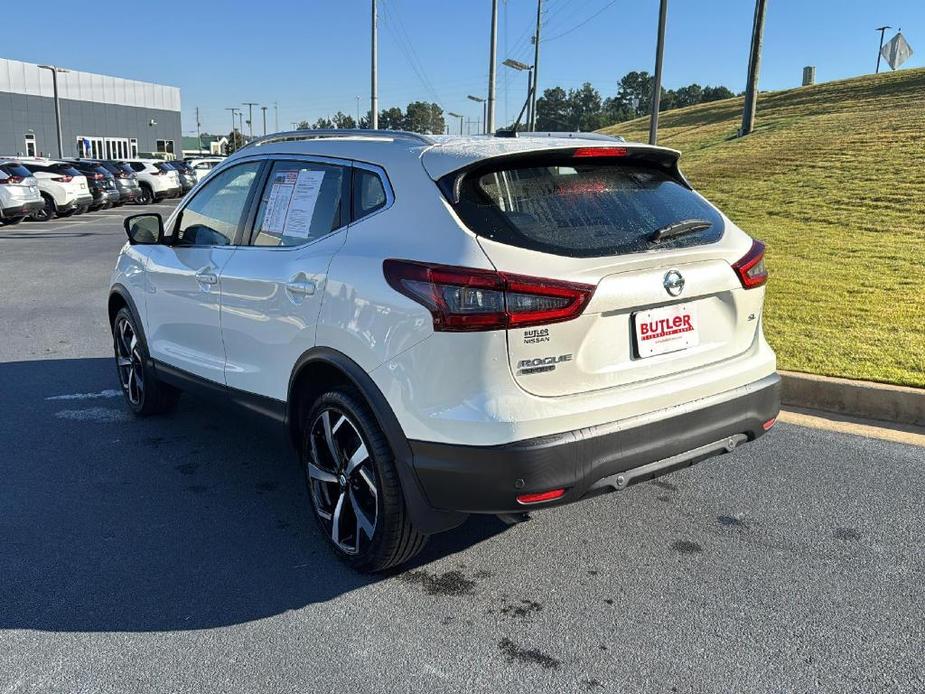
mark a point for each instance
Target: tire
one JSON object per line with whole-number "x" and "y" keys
{"x": 67, "y": 213}
{"x": 144, "y": 394}
{"x": 10, "y": 221}
{"x": 47, "y": 213}
{"x": 145, "y": 197}
{"x": 356, "y": 499}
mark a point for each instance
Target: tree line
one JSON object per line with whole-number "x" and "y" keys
{"x": 584, "y": 109}
{"x": 418, "y": 117}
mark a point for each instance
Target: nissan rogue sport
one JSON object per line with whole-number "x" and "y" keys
{"x": 449, "y": 326}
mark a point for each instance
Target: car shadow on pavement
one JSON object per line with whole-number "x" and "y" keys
{"x": 192, "y": 520}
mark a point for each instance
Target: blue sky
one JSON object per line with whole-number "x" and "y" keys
{"x": 312, "y": 57}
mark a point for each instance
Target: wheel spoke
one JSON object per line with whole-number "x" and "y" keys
{"x": 317, "y": 473}
{"x": 364, "y": 475}
{"x": 363, "y": 522}
{"x": 359, "y": 455}
{"x": 335, "y": 519}
{"x": 329, "y": 436}
{"x": 123, "y": 362}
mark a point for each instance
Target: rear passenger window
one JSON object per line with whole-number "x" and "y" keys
{"x": 368, "y": 193}
{"x": 301, "y": 202}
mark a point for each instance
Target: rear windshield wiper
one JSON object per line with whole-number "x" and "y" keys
{"x": 685, "y": 226}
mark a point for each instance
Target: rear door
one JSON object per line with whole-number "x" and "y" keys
{"x": 183, "y": 278}
{"x": 273, "y": 286}
{"x": 661, "y": 306}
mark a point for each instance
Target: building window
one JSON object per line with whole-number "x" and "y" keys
{"x": 133, "y": 143}
{"x": 30, "y": 145}
{"x": 165, "y": 146}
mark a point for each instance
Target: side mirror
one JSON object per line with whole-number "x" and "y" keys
{"x": 144, "y": 229}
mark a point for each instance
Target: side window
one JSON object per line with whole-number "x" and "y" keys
{"x": 368, "y": 193}
{"x": 301, "y": 202}
{"x": 211, "y": 218}
{"x": 137, "y": 166}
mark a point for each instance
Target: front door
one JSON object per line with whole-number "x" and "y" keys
{"x": 184, "y": 277}
{"x": 272, "y": 287}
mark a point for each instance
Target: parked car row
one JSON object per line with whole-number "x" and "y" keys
{"x": 42, "y": 189}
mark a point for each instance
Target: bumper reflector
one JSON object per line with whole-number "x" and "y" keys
{"x": 551, "y": 495}
{"x": 768, "y": 424}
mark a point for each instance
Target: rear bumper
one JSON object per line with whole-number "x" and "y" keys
{"x": 23, "y": 210}
{"x": 589, "y": 461}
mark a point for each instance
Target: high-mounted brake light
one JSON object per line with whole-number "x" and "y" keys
{"x": 750, "y": 267}
{"x": 466, "y": 299}
{"x": 600, "y": 152}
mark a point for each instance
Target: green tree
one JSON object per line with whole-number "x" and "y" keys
{"x": 553, "y": 110}
{"x": 716, "y": 93}
{"x": 235, "y": 141}
{"x": 391, "y": 119}
{"x": 342, "y": 120}
{"x": 689, "y": 95}
{"x": 423, "y": 117}
{"x": 303, "y": 125}
{"x": 323, "y": 124}
{"x": 585, "y": 108}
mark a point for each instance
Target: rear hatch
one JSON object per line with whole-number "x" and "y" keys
{"x": 18, "y": 182}
{"x": 655, "y": 258}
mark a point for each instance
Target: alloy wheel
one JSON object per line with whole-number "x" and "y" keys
{"x": 128, "y": 360}
{"x": 342, "y": 480}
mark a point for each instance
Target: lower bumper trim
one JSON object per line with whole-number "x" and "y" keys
{"x": 589, "y": 461}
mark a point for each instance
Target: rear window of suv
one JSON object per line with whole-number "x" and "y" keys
{"x": 577, "y": 208}
{"x": 7, "y": 170}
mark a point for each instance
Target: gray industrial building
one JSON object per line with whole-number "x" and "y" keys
{"x": 100, "y": 116}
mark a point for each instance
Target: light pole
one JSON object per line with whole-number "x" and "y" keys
{"x": 264, "y": 109}
{"x": 536, "y": 63}
{"x": 882, "y": 31}
{"x": 250, "y": 116}
{"x": 358, "y": 112}
{"x": 482, "y": 101}
{"x": 54, "y": 83}
{"x": 457, "y": 115}
{"x": 657, "y": 86}
{"x": 241, "y": 123}
{"x": 522, "y": 67}
{"x": 374, "y": 72}
{"x": 234, "y": 140}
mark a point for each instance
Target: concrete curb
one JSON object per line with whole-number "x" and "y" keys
{"x": 855, "y": 398}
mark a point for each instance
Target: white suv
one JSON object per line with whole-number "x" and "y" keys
{"x": 203, "y": 167}
{"x": 156, "y": 180}
{"x": 448, "y": 326}
{"x": 63, "y": 188}
{"x": 19, "y": 192}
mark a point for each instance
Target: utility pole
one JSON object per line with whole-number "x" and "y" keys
{"x": 374, "y": 73}
{"x": 657, "y": 85}
{"x": 536, "y": 64}
{"x": 241, "y": 123}
{"x": 358, "y": 112}
{"x": 275, "y": 117}
{"x": 264, "y": 109}
{"x": 250, "y": 115}
{"x": 754, "y": 65}
{"x": 882, "y": 30}
{"x": 492, "y": 69}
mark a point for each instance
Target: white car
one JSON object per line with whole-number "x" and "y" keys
{"x": 156, "y": 179}
{"x": 204, "y": 166}
{"x": 449, "y": 325}
{"x": 63, "y": 188}
{"x": 19, "y": 192}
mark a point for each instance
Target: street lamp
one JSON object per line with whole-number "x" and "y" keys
{"x": 457, "y": 115}
{"x": 54, "y": 82}
{"x": 480, "y": 100}
{"x": 523, "y": 67}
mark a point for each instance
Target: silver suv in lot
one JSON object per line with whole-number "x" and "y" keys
{"x": 447, "y": 326}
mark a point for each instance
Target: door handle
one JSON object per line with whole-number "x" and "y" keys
{"x": 304, "y": 287}
{"x": 206, "y": 276}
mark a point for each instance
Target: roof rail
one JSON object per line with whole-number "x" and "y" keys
{"x": 322, "y": 133}
{"x": 563, "y": 134}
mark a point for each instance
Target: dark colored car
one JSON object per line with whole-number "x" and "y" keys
{"x": 125, "y": 179}
{"x": 187, "y": 175}
{"x": 100, "y": 181}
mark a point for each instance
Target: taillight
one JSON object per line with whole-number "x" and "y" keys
{"x": 600, "y": 152}
{"x": 12, "y": 180}
{"x": 750, "y": 267}
{"x": 156, "y": 173}
{"x": 62, "y": 179}
{"x": 466, "y": 299}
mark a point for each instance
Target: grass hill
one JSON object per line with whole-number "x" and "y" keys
{"x": 833, "y": 180}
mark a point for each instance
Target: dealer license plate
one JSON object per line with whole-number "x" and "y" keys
{"x": 667, "y": 329}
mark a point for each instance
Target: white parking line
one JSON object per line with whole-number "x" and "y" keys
{"x": 109, "y": 393}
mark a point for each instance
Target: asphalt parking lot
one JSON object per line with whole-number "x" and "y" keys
{"x": 177, "y": 554}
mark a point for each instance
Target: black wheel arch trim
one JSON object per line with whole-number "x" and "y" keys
{"x": 426, "y": 519}
{"x": 124, "y": 294}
